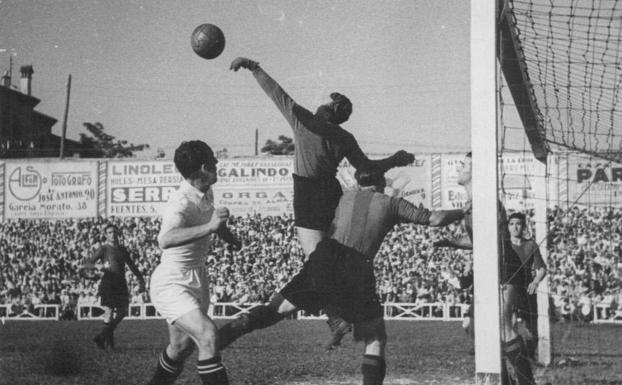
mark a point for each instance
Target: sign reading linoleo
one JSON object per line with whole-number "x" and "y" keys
{"x": 140, "y": 188}
{"x": 50, "y": 189}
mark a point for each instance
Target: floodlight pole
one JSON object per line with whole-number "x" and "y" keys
{"x": 485, "y": 183}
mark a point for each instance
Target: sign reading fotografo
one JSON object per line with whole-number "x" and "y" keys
{"x": 140, "y": 188}
{"x": 50, "y": 189}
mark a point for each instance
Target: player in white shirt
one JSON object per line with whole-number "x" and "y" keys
{"x": 179, "y": 285}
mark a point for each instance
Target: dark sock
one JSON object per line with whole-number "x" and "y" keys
{"x": 167, "y": 370}
{"x": 107, "y": 328}
{"x": 259, "y": 317}
{"x": 212, "y": 372}
{"x": 374, "y": 370}
{"x": 517, "y": 366}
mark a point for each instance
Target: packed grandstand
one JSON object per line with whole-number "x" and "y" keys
{"x": 40, "y": 260}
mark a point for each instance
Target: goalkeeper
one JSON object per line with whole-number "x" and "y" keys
{"x": 321, "y": 144}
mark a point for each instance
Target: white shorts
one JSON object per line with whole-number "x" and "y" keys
{"x": 176, "y": 291}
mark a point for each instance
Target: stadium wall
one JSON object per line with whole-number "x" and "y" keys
{"x": 56, "y": 189}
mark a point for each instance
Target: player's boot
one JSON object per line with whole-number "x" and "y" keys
{"x": 516, "y": 364}
{"x": 338, "y": 329}
{"x": 100, "y": 341}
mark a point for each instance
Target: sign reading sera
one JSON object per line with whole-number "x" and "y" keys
{"x": 50, "y": 189}
{"x": 140, "y": 188}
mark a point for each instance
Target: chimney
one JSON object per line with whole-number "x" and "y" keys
{"x": 26, "y": 80}
{"x": 6, "y": 79}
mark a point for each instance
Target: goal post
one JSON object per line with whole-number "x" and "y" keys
{"x": 485, "y": 185}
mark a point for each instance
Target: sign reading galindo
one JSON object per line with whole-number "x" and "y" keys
{"x": 50, "y": 189}
{"x": 255, "y": 185}
{"x": 140, "y": 188}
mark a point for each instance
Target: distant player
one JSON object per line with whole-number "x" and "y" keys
{"x": 534, "y": 270}
{"x": 340, "y": 271}
{"x": 516, "y": 368}
{"x": 464, "y": 242}
{"x": 321, "y": 145}
{"x": 113, "y": 287}
{"x": 179, "y": 285}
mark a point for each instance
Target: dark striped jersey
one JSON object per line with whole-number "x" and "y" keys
{"x": 114, "y": 259}
{"x": 363, "y": 218}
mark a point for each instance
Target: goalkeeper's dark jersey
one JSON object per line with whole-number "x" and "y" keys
{"x": 320, "y": 145}
{"x": 363, "y": 218}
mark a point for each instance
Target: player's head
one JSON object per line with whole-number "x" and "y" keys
{"x": 337, "y": 111}
{"x": 370, "y": 178}
{"x": 464, "y": 171}
{"x": 195, "y": 160}
{"x": 112, "y": 233}
{"x": 516, "y": 224}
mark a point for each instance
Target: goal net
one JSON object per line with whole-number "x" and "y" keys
{"x": 560, "y": 144}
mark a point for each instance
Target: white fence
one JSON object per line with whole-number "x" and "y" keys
{"x": 228, "y": 310}
{"x": 40, "y": 312}
{"x": 605, "y": 314}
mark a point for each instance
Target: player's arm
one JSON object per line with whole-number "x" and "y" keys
{"x": 89, "y": 262}
{"x": 540, "y": 267}
{"x": 283, "y": 101}
{"x": 463, "y": 242}
{"x": 130, "y": 263}
{"x": 533, "y": 285}
{"x": 407, "y": 212}
{"x": 175, "y": 233}
{"x": 360, "y": 161}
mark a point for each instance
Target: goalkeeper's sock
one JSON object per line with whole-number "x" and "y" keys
{"x": 374, "y": 369}
{"x": 518, "y": 367}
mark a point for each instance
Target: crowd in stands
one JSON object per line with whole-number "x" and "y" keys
{"x": 40, "y": 259}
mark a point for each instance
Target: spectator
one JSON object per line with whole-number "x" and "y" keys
{"x": 40, "y": 258}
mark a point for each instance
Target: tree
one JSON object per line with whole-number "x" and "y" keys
{"x": 285, "y": 146}
{"x": 104, "y": 145}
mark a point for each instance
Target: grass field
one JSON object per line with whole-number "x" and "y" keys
{"x": 49, "y": 352}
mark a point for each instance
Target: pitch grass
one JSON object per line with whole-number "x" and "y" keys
{"x": 49, "y": 352}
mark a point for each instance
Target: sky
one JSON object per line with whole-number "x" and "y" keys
{"x": 403, "y": 63}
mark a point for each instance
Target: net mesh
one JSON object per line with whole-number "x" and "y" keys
{"x": 571, "y": 52}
